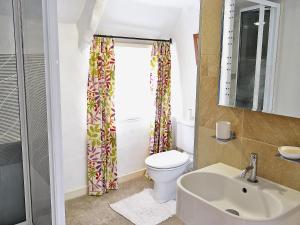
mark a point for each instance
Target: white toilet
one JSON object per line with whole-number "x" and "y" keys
{"x": 164, "y": 168}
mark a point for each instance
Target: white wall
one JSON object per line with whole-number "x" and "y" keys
{"x": 136, "y": 18}
{"x": 187, "y": 25}
{"x": 176, "y": 88}
{"x": 74, "y": 73}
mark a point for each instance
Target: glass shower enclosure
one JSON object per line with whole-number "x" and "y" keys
{"x": 24, "y": 155}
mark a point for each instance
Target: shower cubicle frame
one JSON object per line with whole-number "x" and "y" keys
{"x": 52, "y": 79}
{"x": 22, "y": 107}
{"x": 51, "y": 47}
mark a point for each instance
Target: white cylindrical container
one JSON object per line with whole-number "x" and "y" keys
{"x": 223, "y": 130}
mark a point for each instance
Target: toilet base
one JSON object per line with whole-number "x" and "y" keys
{"x": 164, "y": 191}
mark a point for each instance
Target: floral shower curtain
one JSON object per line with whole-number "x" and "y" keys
{"x": 101, "y": 130}
{"x": 160, "y": 83}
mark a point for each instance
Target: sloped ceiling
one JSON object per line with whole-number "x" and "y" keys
{"x": 141, "y": 18}
{"x": 133, "y": 18}
{"x": 69, "y": 11}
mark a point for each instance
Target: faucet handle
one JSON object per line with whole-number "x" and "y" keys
{"x": 253, "y": 155}
{"x": 253, "y": 158}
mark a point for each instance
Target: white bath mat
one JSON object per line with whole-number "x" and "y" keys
{"x": 142, "y": 209}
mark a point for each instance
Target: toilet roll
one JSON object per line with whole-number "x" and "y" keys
{"x": 223, "y": 130}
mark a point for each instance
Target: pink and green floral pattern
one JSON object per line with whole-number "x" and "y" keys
{"x": 160, "y": 83}
{"x": 101, "y": 129}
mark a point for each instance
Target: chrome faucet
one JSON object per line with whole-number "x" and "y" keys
{"x": 252, "y": 167}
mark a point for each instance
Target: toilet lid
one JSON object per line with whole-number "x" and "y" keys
{"x": 165, "y": 160}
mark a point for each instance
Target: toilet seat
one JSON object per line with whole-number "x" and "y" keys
{"x": 167, "y": 160}
{"x": 168, "y": 169}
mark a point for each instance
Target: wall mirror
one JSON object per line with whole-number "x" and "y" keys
{"x": 260, "y": 60}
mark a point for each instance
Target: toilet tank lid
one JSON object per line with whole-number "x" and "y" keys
{"x": 165, "y": 160}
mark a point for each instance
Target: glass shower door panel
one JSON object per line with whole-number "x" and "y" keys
{"x": 36, "y": 108}
{"x": 247, "y": 58}
{"x": 264, "y": 59}
{"x": 12, "y": 199}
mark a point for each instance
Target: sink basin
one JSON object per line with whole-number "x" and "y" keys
{"x": 216, "y": 195}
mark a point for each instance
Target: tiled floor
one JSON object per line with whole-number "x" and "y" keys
{"x": 96, "y": 211}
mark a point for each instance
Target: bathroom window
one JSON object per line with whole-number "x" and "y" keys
{"x": 132, "y": 82}
{"x": 133, "y": 105}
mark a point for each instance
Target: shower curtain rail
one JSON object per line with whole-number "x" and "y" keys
{"x": 133, "y": 38}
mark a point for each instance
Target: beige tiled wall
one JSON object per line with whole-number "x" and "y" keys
{"x": 256, "y": 132}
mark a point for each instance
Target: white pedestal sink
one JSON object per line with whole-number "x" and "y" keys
{"x": 216, "y": 195}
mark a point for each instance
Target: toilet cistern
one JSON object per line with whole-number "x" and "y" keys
{"x": 252, "y": 167}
